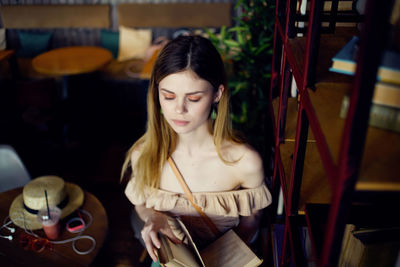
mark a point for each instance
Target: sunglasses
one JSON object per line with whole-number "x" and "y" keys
{"x": 36, "y": 244}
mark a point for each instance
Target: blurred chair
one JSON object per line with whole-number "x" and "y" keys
{"x": 13, "y": 173}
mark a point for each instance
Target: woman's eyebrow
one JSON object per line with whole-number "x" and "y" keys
{"x": 196, "y": 92}
{"x": 191, "y": 93}
{"x": 167, "y": 91}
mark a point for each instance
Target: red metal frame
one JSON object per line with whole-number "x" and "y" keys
{"x": 354, "y": 134}
{"x": 342, "y": 177}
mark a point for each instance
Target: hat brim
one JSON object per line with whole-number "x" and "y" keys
{"x": 23, "y": 218}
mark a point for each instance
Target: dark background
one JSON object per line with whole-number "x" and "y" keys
{"x": 82, "y": 139}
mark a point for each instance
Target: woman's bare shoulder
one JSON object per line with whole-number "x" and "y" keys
{"x": 249, "y": 165}
{"x": 136, "y": 151}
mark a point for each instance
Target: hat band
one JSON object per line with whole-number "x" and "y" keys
{"x": 60, "y": 206}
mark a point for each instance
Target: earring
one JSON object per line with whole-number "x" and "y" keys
{"x": 161, "y": 111}
{"x": 214, "y": 111}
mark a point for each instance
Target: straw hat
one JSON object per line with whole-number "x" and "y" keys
{"x": 68, "y": 197}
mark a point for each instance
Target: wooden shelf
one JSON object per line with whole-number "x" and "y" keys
{"x": 379, "y": 170}
{"x": 327, "y": 100}
{"x": 330, "y": 44}
{"x": 315, "y": 187}
{"x": 326, "y": 169}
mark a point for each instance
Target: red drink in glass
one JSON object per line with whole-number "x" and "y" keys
{"x": 51, "y": 225}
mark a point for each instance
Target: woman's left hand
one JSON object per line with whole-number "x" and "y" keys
{"x": 154, "y": 223}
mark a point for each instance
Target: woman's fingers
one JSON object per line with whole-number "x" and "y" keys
{"x": 150, "y": 249}
{"x": 154, "y": 239}
{"x": 151, "y": 252}
{"x": 154, "y": 224}
{"x": 168, "y": 232}
{"x": 150, "y": 240}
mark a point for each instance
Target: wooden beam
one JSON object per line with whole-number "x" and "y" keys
{"x": 55, "y": 16}
{"x": 175, "y": 15}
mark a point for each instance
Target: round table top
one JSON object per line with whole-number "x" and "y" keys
{"x": 71, "y": 60}
{"x": 12, "y": 254}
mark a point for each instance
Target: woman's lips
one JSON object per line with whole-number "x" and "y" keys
{"x": 180, "y": 123}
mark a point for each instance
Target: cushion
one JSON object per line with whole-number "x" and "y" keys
{"x": 133, "y": 43}
{"x": 110, "y": 40}
{"x": 33, "y": 44}
{"x": 2, "y": 39}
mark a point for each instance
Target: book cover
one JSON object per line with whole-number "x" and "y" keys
{"x": 387, "y": 94}
{"x": 177, "y": 255}
{"x": 370, "y": 247}
{"x": 345, "y": 62}
{"x": 228, "y": 250}
{"x": 381, "y": 116}
{"x": 353, "y": 253}
{"x": 349, "y": 228}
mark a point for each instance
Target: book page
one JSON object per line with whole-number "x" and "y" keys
{"x": 191, "y": 243}
{"x": 229, "y": 250}
{"x": 180, "y": 254}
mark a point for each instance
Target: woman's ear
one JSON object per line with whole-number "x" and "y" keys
{"x": 218, "y": 94}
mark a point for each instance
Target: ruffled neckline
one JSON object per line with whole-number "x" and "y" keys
{"x": 237, "y": 202}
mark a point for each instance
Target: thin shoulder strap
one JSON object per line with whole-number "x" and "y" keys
{"x": 189, "y": 195}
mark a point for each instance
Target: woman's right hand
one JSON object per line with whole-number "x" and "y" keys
{"x": 156, "y": 222}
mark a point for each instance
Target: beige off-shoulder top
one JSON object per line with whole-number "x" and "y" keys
{"x": 223, "y": 208}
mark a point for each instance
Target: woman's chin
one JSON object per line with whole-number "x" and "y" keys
{"x": 181, "y": 130}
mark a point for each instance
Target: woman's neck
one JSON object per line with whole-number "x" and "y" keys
{"x": 198, "y": 141}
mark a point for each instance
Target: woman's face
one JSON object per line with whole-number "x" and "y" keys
{"x": 186, "y": 100}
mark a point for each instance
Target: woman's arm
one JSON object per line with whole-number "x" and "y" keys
{"x": 154, "y": 222}
{"x": 248, "y": 226}
{"x": 251, "y": 176}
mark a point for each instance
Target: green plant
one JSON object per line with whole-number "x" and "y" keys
{"x": 247, "y": 51}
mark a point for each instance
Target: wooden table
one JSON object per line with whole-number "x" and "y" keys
{"x": 12, "y": 254}
{"x": 72, "y": 60}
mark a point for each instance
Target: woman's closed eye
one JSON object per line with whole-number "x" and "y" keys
{"x": 191, "y": 98}
{"x": 194, "y": 98}
{"x": 168, "y": 96}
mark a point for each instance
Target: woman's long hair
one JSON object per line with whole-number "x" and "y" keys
{"x": 193, "y": 53}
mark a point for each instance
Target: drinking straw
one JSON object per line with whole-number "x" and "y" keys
{"x": 47, "y": 204}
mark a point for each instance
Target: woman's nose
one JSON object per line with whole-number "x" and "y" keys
{"x": 180, "y": 107}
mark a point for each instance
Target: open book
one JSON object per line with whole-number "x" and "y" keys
{"x": 228, "y": 250}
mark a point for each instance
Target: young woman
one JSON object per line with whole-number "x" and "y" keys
{"x": 225, "y": 175}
